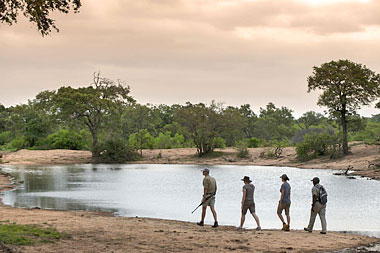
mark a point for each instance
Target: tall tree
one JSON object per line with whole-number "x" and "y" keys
{"x": 309, "y": 119}
{"x": 345, "y": 86}
{"x": 92, "y": 104}
{"x": 203, "y": 123}
{"x": 37, "y": 11}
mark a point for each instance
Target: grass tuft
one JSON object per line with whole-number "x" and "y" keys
{"x": 14, "y": 234}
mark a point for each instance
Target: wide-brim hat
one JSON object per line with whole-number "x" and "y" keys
{"x": 285, "y": 177}
{"x": 246, "y": 179}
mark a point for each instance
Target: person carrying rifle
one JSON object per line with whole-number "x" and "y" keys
{"x": 209, "y": 185}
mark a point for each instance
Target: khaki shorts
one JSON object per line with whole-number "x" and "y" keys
{"x": 209, "y": 202}
{"x": 249, "y": 204}
{"x": 282, "y": 206}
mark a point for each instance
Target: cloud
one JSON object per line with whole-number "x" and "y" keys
{"x": 170, "y": 51}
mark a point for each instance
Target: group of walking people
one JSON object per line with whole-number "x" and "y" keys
{"x": 318, "y": 207}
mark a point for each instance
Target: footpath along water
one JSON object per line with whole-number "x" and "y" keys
{"x": 173, "y": 191}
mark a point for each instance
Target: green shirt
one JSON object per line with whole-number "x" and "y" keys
{"x": 209, "y": 184}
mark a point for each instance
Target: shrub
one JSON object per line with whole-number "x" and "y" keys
{"x": 317, "y": 144}
{"x": 116, "y": 151}
{"x": 242, "y": 149}
{"x": 17, "y": 143}
{"x": 253, "y": 143}
{"x": 5, "y": 137}
{"x": 219, "y": 142}
{"x": 65, "y": 139}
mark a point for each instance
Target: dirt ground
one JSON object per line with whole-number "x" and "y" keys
{"x": 102, "y": 232}
{"x": 359, "y": 159}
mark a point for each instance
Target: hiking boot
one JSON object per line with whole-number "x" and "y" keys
{"x": 283, "y": 226}
{"x": 215, "y": 224}
{"x": 287, "y": 228}
{"x": 307, "y": 230}
{"x": 258, "y": 228}
{"x": 200, "y": 223}
{"x": 323, "y": 232}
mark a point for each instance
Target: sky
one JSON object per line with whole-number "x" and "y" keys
{"x": 173, "y": 51}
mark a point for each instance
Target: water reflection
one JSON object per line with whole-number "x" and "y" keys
{"x": 173, "y": 191}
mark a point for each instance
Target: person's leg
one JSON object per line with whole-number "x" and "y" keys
{"x": 203, "y": 213}
{"x": 279, "y": 213}
{"x": 322, "y": 216}
{"x": 313, "y": 214}
{"x": 256, "y": 219}
{"x": 242, "y": 220}
{"x": 214, "y": 213}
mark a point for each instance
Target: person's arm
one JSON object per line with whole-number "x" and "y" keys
{"x": 314, "y": 200}
{"x": 282, "y": 194}
{"x": 243, "y": 198}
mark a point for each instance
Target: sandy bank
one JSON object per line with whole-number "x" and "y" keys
{"x": 99, "y": 232}
{"x": 360, "y": 158}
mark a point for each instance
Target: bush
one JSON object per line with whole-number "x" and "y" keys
{"x": 116, "y": 151}
{"x": 219, "y": 142}
{"x": 253, "y": 143}
{"x": 17, "y": 143}
{"x": 242, "y": 149}
{"x": 317, "y": 144}
{"x": 5, "y": 137}
{"x": 65, "y": 139}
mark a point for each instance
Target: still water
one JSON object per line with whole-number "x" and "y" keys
{"x": 173, "y": 191}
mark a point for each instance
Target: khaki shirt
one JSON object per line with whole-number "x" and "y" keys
{"x": 209, "y": 184}
{"x": 315, "y": 191}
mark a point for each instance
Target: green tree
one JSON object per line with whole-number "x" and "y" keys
{"x": 275, "y": 124}
{"x": 37, "y": 11}
{"x": 92, "y": 105}
{"x": 142, "y": 139}
{"x": 203, "y": 124}
{"x": 309, "y": 119}
{"x": 235, "y": 125}
{"x": 345, "y": 86}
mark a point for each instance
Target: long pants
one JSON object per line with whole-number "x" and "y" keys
{"x": 321, "y": 210}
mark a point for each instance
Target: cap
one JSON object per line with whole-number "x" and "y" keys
{"x": 206, "y": 170}
{"x": 246, "y": 179}
{"x": 316, "y": 180}
{"x": 285, "y": 177}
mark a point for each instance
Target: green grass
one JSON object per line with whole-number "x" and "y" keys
{"x": 214, "y": 154}
{"x": 15, "y": 234}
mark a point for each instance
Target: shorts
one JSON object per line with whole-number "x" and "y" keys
{"x": 209, "y": 202}
{"x": 282, "y": 206}
{"x": 249, "y": 204}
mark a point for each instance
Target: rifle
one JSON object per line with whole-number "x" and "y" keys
{"x": 208, "y": 197}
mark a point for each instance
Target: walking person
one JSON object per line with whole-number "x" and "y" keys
{"x": 209, "y": 191}
{"x": 318, "y": 206}
{"x": 248, "y": 202}
{"x": 284, "y": 203}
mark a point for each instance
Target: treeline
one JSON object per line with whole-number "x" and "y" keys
{"x": 105, "y": 119}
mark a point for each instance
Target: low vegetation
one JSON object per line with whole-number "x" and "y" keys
{"x": 15, "y": 234}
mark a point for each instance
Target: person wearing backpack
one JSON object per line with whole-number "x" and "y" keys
{"x": 318, "y": 206}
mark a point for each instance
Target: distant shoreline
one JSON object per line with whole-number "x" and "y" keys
{"x": 361, "y": 157}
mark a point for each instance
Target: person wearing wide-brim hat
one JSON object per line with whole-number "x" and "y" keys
{"x": 248, "y": 202}
{"x": 284, "y": 203}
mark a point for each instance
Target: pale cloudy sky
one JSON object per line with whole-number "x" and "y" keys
{"x": 173, "y": 51}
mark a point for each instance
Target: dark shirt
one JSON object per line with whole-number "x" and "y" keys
{"x": 286, "y": 187}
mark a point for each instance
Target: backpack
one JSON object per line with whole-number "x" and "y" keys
{"x": 322, "y": 195}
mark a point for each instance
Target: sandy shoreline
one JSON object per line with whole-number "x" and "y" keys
{"x": 360, "y": 159}
{"x": 102, "y": 232}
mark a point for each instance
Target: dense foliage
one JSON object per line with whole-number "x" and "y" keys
{"x": 106, "y": 120}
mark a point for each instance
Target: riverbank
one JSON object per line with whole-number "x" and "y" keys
{"x": 102, "y": 232}
{"x": 360, "y": 158}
